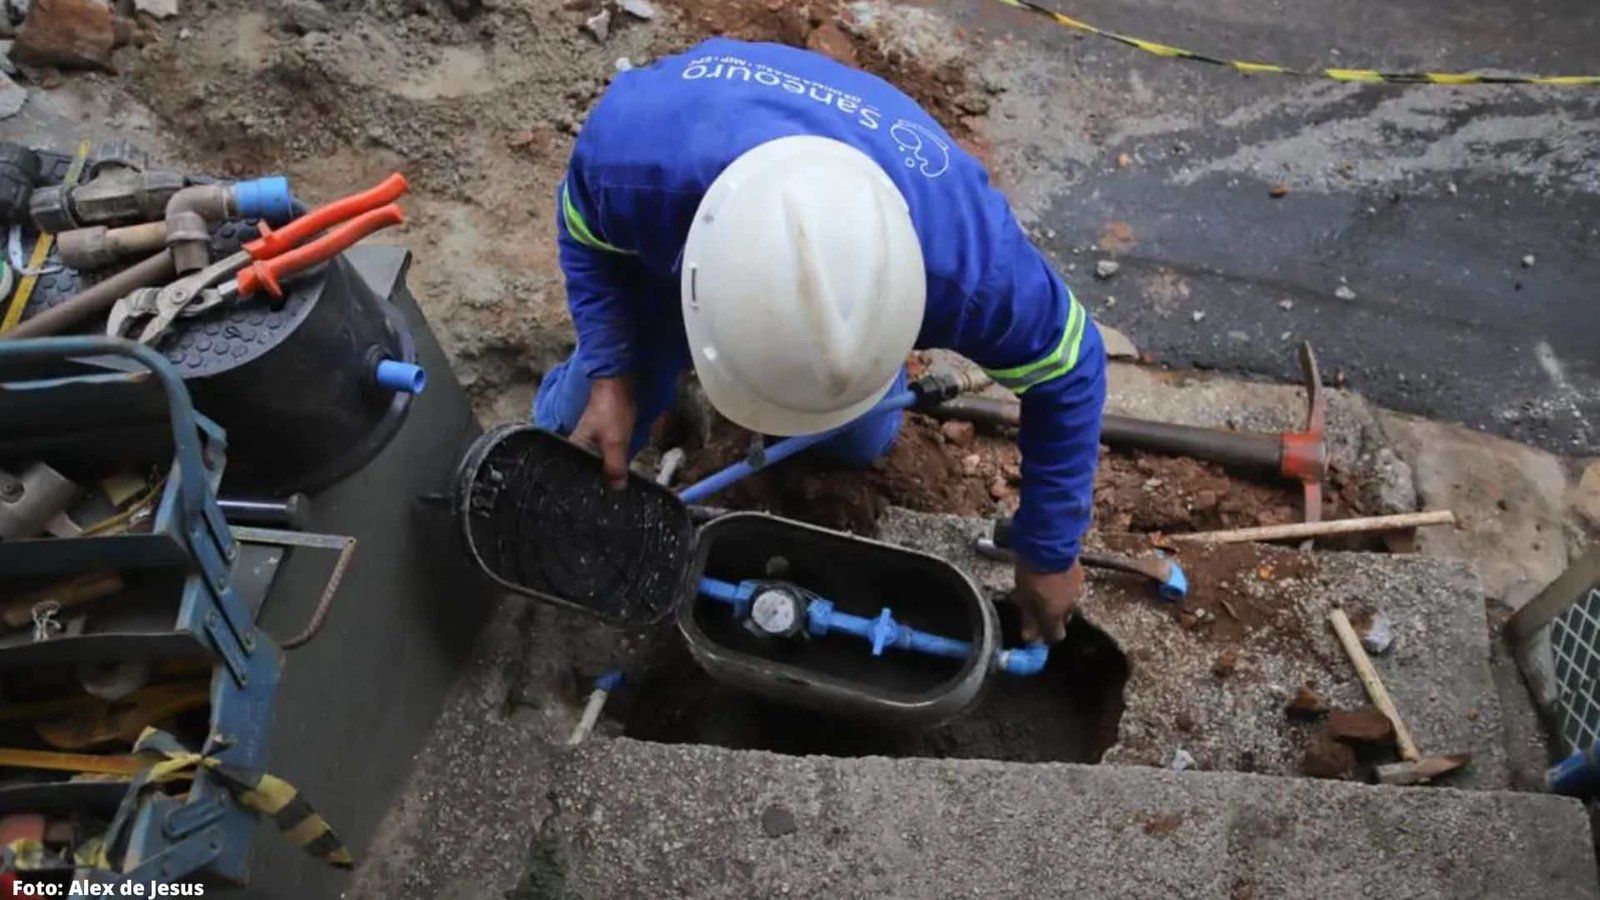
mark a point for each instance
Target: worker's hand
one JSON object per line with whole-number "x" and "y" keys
{"x": 1047, "y": 600}
{"x": 607, "y": 425}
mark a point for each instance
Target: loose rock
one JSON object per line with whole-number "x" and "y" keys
{"x": 1587, "y": 499}
{"x": 999, "y": 489}
{"x": 1343, "y": 292}
{"x": 1379, "y": 634}
{"x": 1327, "y": 758}
{"x": 1286, "y": 305}
{"x": 957, "y": 432}
{"x": 1105, "y": 268}
{"x": 1182, "y": 760}
{"x": 599, "y": 25}
{"x": 828, "y": 40}
{"x": 970, "y": 463}
{"x": 1227, "y": 663}
{"x": 1124, "y": 160}
{"x": 1198, "y": 315}
{"x": 1528, "y": 261}
{"x": 1279, "y": 190}
{"x": 67, "y": 34}
{"x": 159, "y": 9}
{"x": 1362, "y": 726}
{"x": 639, "y": 9}
{"x": 1306, "y": 704}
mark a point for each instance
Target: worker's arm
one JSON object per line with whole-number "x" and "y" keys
{"x": 602, "y": 296}
{"x": 1029, "y": 332}
{"x": 601, "y": 283}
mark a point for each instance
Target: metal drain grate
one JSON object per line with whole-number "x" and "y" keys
{"x": 1575, "y": 644}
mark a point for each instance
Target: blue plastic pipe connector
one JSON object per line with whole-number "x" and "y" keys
{"x": 782, "y": 450}
{"x": 401, "y": 376}
{"x": 608, "y": 681}
{"x": 736, "y": 595}
{"x": 264, "y": 198}
{"x": 1176, "y": 587}
{"x": 1576, "y": 776}
{"x": 1028, "y": 660}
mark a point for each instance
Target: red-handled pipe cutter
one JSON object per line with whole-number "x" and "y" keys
{"x": 263, "y": 262}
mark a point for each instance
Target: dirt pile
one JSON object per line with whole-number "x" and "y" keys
{"x": 939, "y": 468}
{"x": 479, "y": 113}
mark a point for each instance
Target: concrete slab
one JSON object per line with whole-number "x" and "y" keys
{"x": 1268, "y": 608}
{"x": 1510, "y": 501}
{"x": 653, "y": 820}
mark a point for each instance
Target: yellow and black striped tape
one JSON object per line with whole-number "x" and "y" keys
{"x": 1254, "y": 68}
{"x": 266, "y": 794}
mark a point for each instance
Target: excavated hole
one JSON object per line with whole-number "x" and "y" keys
{"x": 1067, "y": 713}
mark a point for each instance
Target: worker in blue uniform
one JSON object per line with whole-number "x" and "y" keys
{"x": 792, "y": 228}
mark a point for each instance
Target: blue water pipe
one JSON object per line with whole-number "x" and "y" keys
{"x": 881, "y": 631}
{"x": 1576, "y": 776}
{"x": 401, "y": 376}
{"x": 264, "y": 198}
{"x": 782, "y": 450}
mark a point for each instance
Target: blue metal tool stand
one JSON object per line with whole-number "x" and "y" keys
{"x": 57, "y": 408}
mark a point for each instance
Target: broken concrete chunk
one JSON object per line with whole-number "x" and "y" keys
{"x": 1343, "y": 292}
{"x": 1528, "y": 261}
{"x": 12, "y": 97}
{"x": 639, "y": 9}
{"x": 67, "y": 34}
{"x": 1366, "y": 725}
{"x": 599, "y": 25}
{"x": 1118, "y": 346}
{"x": 623, "y": 64}
{"x": 1306, "y": 704}
{"x": 1587, "y": 495}
{"x": 159, "y": 9}
{"x": 1286, "y": 305}
{"x": 1182, "y": 760}
{"x": 1105, "y": 268}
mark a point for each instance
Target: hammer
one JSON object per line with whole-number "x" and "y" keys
{"x": 1413, "y": 767}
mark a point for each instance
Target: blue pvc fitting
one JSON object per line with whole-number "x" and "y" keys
{"x": 1028, "y": 660}
{"x": 264, "y": 198}
{"x": 737, "y": 596}
{"x": 401, "y": 376}
{"x": 1576, "y": 776}
{"x": 608, "y": 681}
{"x": 1176, "y": 587}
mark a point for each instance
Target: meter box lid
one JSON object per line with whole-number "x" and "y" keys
{"x": 540, "y": 521}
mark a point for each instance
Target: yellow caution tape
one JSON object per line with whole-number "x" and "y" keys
{"x": 1252, "y": 68}
{"x": 41, "y": 249}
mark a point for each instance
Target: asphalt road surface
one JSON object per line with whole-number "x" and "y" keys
{"x": 1440, "y": 246}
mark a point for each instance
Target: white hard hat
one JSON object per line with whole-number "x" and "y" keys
{"x": 803, "y": 286}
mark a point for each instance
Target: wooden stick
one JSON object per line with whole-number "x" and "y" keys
{"x": 1375, "y": 689}
{"x": 17, "y": 612}
{"x": 1319, "y": 529}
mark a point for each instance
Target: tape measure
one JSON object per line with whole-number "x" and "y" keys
{"x": 1259, "y": 68}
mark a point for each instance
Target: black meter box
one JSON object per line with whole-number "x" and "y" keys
{"x": 540, "y": 521}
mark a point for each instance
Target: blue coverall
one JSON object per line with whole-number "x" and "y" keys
{"x": 660, "y": 135}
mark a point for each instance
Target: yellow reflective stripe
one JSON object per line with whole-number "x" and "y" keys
{"x": 1059, "y": 362}
{"x": 578, "y": 228}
